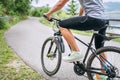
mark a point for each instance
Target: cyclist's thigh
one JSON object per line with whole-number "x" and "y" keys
{"x": 73, "y": 23}
{"x": 80, "y": 23}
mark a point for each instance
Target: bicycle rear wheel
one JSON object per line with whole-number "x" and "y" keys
{"x": 50, "y": 56}
{"x": 113, "y": 56}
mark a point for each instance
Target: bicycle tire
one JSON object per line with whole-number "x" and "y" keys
{"x": 57, "y": 66}
{"x": 107, "y": 50}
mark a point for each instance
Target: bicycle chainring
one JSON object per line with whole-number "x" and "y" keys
{"x": 78, "y": 70}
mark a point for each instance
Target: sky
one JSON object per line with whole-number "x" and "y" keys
{"x": 52, "y": 2}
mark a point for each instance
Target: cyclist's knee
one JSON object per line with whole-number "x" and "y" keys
{"x": 63, "y": 24}
{"x": 60, "y": 23}
{"x": 62, "y": 29}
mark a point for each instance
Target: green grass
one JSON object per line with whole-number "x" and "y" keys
{"x": 117, "y": 40}
{"x": 11, "y": 67}
{"x": 86, "y": 33}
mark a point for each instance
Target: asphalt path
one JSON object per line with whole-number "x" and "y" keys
{"x": 26, "y": 39}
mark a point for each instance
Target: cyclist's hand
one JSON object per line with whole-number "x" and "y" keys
{"x": 47, "y": 16}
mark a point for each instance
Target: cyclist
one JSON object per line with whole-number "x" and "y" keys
{"x": 93, "y": 19}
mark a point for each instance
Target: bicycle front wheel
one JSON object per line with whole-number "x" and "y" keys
{"x": 113, "y": 58}
{"x": 50, "y": 56}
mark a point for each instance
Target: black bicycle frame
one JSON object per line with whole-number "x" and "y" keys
{"x": 92, "y": 70}
{"x": 93, "y": 50}
{"x": 88, "y": 45}
{"x": 95, "y": 33}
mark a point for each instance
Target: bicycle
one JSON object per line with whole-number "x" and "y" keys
{"x": 53, "y": 47}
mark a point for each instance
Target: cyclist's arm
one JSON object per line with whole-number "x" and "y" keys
{"x": 56, "y": 7}
{"x": 81, "y": 11}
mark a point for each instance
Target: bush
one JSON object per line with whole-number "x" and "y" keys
{"x": 38, "y": 12}
{"x": 6, "y": 22}
{"x": 3, "y": 23}
{"x": 61, "y": 15}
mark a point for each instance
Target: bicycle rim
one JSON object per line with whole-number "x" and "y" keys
{"x": 50, "y": 57}
{"x": 113, "y": 56}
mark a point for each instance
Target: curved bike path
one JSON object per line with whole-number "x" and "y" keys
{"x": 26, "y": 39}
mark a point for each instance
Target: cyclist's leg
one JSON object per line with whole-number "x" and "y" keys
{"x": 71, "y": 23}
{"x": 69, "y": 38}
{"x": 78, "y": 23}
{"x": 67, "y": 34}
{"x": 75, "y": 55}
{"x": 99, "y": 42}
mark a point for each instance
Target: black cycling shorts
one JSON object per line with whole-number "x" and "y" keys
{"x": 82, "y": 23}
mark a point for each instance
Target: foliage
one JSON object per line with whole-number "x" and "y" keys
{"x": 12, "y": 11}
{"x": 72, "y": 8}
{"x": 2, "y": 10}
{"x": 22, "y": 7}
{"x": 16, "y": 7}
{"x": 38, "y": 12}
{"x": 3, "y": 24}
{"x": 8, "y": 5}
{"x": 61, "y": 15}
{"x": 7, "y": 21}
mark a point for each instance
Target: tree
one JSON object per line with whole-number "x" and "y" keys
{"x": 2, "y": 10}
{"x": 22, "y": 7}
{"x": 16, "y": 7}
{"x": 72, "y": 8}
